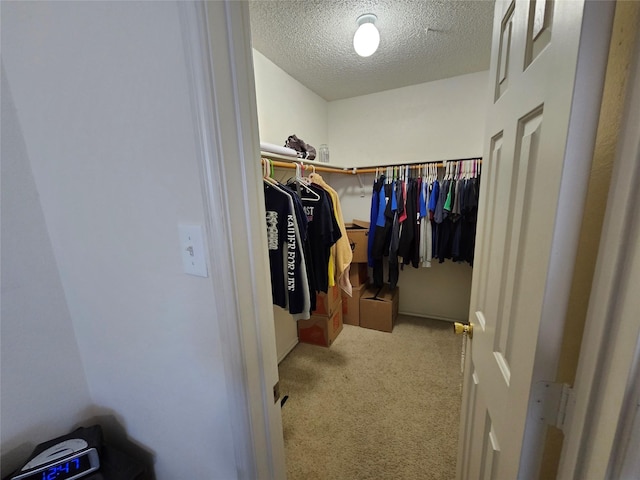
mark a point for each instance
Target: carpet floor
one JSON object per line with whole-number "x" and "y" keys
{"x": 375, "y": 405}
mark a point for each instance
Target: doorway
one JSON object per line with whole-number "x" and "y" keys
{"x": 454, "y": 105}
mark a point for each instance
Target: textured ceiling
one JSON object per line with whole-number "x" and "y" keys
{"x": 312, "y": 40}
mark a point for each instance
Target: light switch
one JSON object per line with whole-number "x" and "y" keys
{"x": 192, "y": 247}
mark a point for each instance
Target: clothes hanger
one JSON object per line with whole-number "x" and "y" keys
{"x": 268, "y": 172}
{"x": 304, "y": 183}
{"x": 302, "y": 178}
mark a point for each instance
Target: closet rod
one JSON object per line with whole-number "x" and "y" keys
{"x": 305, "y": 166}
{"x": 411, "y": 165}
{"x": 357, "y": 170}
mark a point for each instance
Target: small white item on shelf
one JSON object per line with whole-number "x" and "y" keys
{"x": 273, "y": 148}
{"x": 323, "y": 153}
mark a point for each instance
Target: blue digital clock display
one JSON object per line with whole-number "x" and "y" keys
{"x": 70, "y": 468}
{"x": 68, "y": 457}
{"x": 66, "y": 470}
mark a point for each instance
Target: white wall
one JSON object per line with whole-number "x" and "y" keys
{"x": 441, "y": 120}
{"x": 286, "y": 107}
{"x": 101, "y": 93}
{"x": 42, "y": 381}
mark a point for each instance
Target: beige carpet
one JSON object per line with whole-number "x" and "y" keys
{"x": 375, "y": 405}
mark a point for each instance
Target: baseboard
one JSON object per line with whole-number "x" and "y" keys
{"x": 291, "y": 346}
{"x": 433, "y": 317}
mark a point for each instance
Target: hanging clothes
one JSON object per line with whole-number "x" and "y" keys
{"x": 408, "y": 238}
{"x": 469, "y": 214}
{"x": 342, "y": 249}
{"x": 394, "y": 241}
{"x": 433, "y": 202}
{"x": 425, "y": 224}
{"x": 382, "y": 233}
{"x": 302, "y": 224}
{"x": 422, "y": 218}
{"x": 289, "y": 281}
{"x": 322, "y": 231}
{"x": 373, "y": 217}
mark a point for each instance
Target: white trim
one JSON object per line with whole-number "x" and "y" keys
{"x": 433, "y": 317}
{"x": 219, "y": 61}
{"x": 626, "y": 462}
{"x": 609, "y": 338}
{"x": 194, "y": 31}
{"x": 593, "y": 52}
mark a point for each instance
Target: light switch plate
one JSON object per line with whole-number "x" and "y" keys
{"x": 192, "y": 249}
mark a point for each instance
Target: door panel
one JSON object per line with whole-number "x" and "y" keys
{"x": 490, "y": 451}
{"x": 534, "y": 62}
{"x": 466, "y": 436}
{"x": 506, "y": 32}
{"x": 520, "y": 204}
{"x": 539, "y": 29}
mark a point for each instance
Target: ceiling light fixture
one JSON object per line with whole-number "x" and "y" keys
{"x": 367, "y": 37}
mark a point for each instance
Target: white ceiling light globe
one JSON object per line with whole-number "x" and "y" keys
{"x": 367, "y": 38}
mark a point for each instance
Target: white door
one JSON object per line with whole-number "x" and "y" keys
{"x": 541, "y": 117}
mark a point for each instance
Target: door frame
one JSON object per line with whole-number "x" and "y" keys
{"x": 219, "y": 64}
{"x": 606, "y": 379}
{"x": 219, "y": 60}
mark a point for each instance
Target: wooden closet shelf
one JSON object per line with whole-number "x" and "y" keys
{"x": 281, "y": 161}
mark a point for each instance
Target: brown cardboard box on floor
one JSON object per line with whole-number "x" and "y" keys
{"x": 358, "y": 234}
{"x": 327, "y": 303}
{"x": 358, "y": 274}
{"x": 351, "y": 306}
{"x": 379, "y": 308}
{"x": 321, "y": 330}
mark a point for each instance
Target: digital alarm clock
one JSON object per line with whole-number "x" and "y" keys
{"x": 68, "y": 457}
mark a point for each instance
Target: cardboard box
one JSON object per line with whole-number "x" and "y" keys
{"x": 320, "y": 330}
{"x": 327, "y": 303}
{"x": 358, "y": 234}
{"x": 379, "y": 308}
{"x": 351, "y": 306}
{"x": 359, "y": 274}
